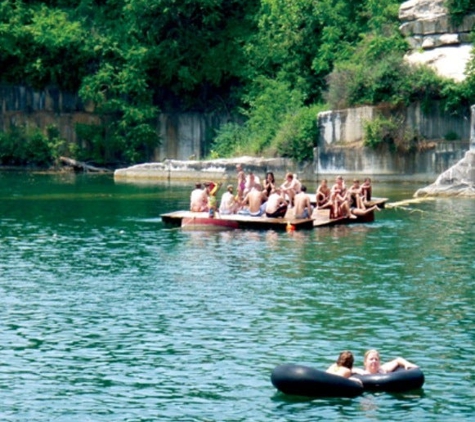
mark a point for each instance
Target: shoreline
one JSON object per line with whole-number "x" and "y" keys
{"x": 224, "y": 170}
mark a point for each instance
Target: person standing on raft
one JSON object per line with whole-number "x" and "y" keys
{"x": 211, "y": 189}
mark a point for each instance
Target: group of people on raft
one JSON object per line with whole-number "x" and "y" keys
{"x": 258, "y": 199}
{"x": 372, "y": 365}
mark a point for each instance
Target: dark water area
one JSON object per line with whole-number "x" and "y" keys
{"x": 107, "y": 315}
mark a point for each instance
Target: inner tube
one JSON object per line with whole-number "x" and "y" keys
{"x": 302, "y": 380}
{"x": 396, "y": 382}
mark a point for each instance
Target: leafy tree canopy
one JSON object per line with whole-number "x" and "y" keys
{"x": 274, "y": 61}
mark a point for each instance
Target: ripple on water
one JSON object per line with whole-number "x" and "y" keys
{"x": 118, "y": 319}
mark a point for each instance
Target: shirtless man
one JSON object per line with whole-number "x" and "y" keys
{"x": 290, "y": 187}
{"x": 254, "y": 200}
{"x": 354, "y": 195}
{"x": 198, "y": 199}
{"x": 251, "y": 181}
{"x": 303, "y": 208}
{"x": 340, "y": 206}
{"x": 276, "y": 205}
{"x": 323, "y": 196}
{"x": 366, "y": 190}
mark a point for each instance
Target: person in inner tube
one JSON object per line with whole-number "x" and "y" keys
{"x": 372, "y": 364}
{"x": 343, "y": 366}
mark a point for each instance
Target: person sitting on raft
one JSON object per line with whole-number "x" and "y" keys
{"x": 354, "y": 195}
{"x": 276, "y": 205}
{"x": 303, "y": 208}
{"x": 229, "y": 204}
{"x": 255, "y": 201}
{"x": 269, "y": 183}
{"x": 251, "y": 181}
{"x": 366, "y": 190}
{"x": 199, "y": 199}
{"x": 340, "y": 206}
{"x": 372, "y": 364}
{"x": 356, "y": 201}
{"x": 323, "y": 194}
{"x": 290, "y": 188}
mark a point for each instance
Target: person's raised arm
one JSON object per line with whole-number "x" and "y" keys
{"x": 395, "y": 363}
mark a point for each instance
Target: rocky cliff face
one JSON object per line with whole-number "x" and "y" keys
{"x": 435, "y": 40}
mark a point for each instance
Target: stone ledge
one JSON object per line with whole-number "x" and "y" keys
{"x": 421, "y": 9}
{"x": 436, "y": 25}
{"x": 220, "y": 169}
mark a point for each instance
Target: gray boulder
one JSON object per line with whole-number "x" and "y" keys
{"x": 458, "y": 180}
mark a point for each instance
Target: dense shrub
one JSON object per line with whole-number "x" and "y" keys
{"x": 298, "y": 134}
{"x": 459, "y": 8}
{"x": 25, "y": 146}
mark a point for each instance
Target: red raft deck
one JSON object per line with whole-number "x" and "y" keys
{"x": 197, "y": 221}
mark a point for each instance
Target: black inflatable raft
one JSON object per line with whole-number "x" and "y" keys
{"x": 397, "y": 381}
{"x": 302, "y": 380}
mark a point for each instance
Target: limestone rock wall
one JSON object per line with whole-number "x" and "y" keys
{"x": 340, "y": 147}
{"x": 183, "y": 135}
{"x": 435, "y": 40}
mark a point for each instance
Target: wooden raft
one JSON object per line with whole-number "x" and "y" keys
{"x": 236, "y": 221}
{"x": 320, "y": 218}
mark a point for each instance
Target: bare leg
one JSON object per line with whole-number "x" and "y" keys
{"x": 360, "y": 212}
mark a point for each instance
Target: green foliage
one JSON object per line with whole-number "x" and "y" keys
{"x": 275, "y": 101}
{"x": 392, "y": 131}
{"x": 278, "y": 124}
{"x": 42, "y": 46}
{"x": 298, "y": 134}
{"x": 379, "y": 130}
{"x": 272, "y": 60}
{"x": 451, "y": 136}
{"x": 460, "y": 8}
{"x": 229, "y": 141}
{"x": 25, "y": 146}
{"x": 267, "y": 111}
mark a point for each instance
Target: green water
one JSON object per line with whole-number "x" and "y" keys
{"x": 109, "y": 316}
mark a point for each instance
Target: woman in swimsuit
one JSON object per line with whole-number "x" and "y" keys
{"x": 372, "y": 364}
{"x": 269, "y": 183}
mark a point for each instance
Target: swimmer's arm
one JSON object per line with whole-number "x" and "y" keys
{"x": 396, "y": 363}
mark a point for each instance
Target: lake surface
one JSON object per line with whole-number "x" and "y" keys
{"x": 107, "y": 315}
